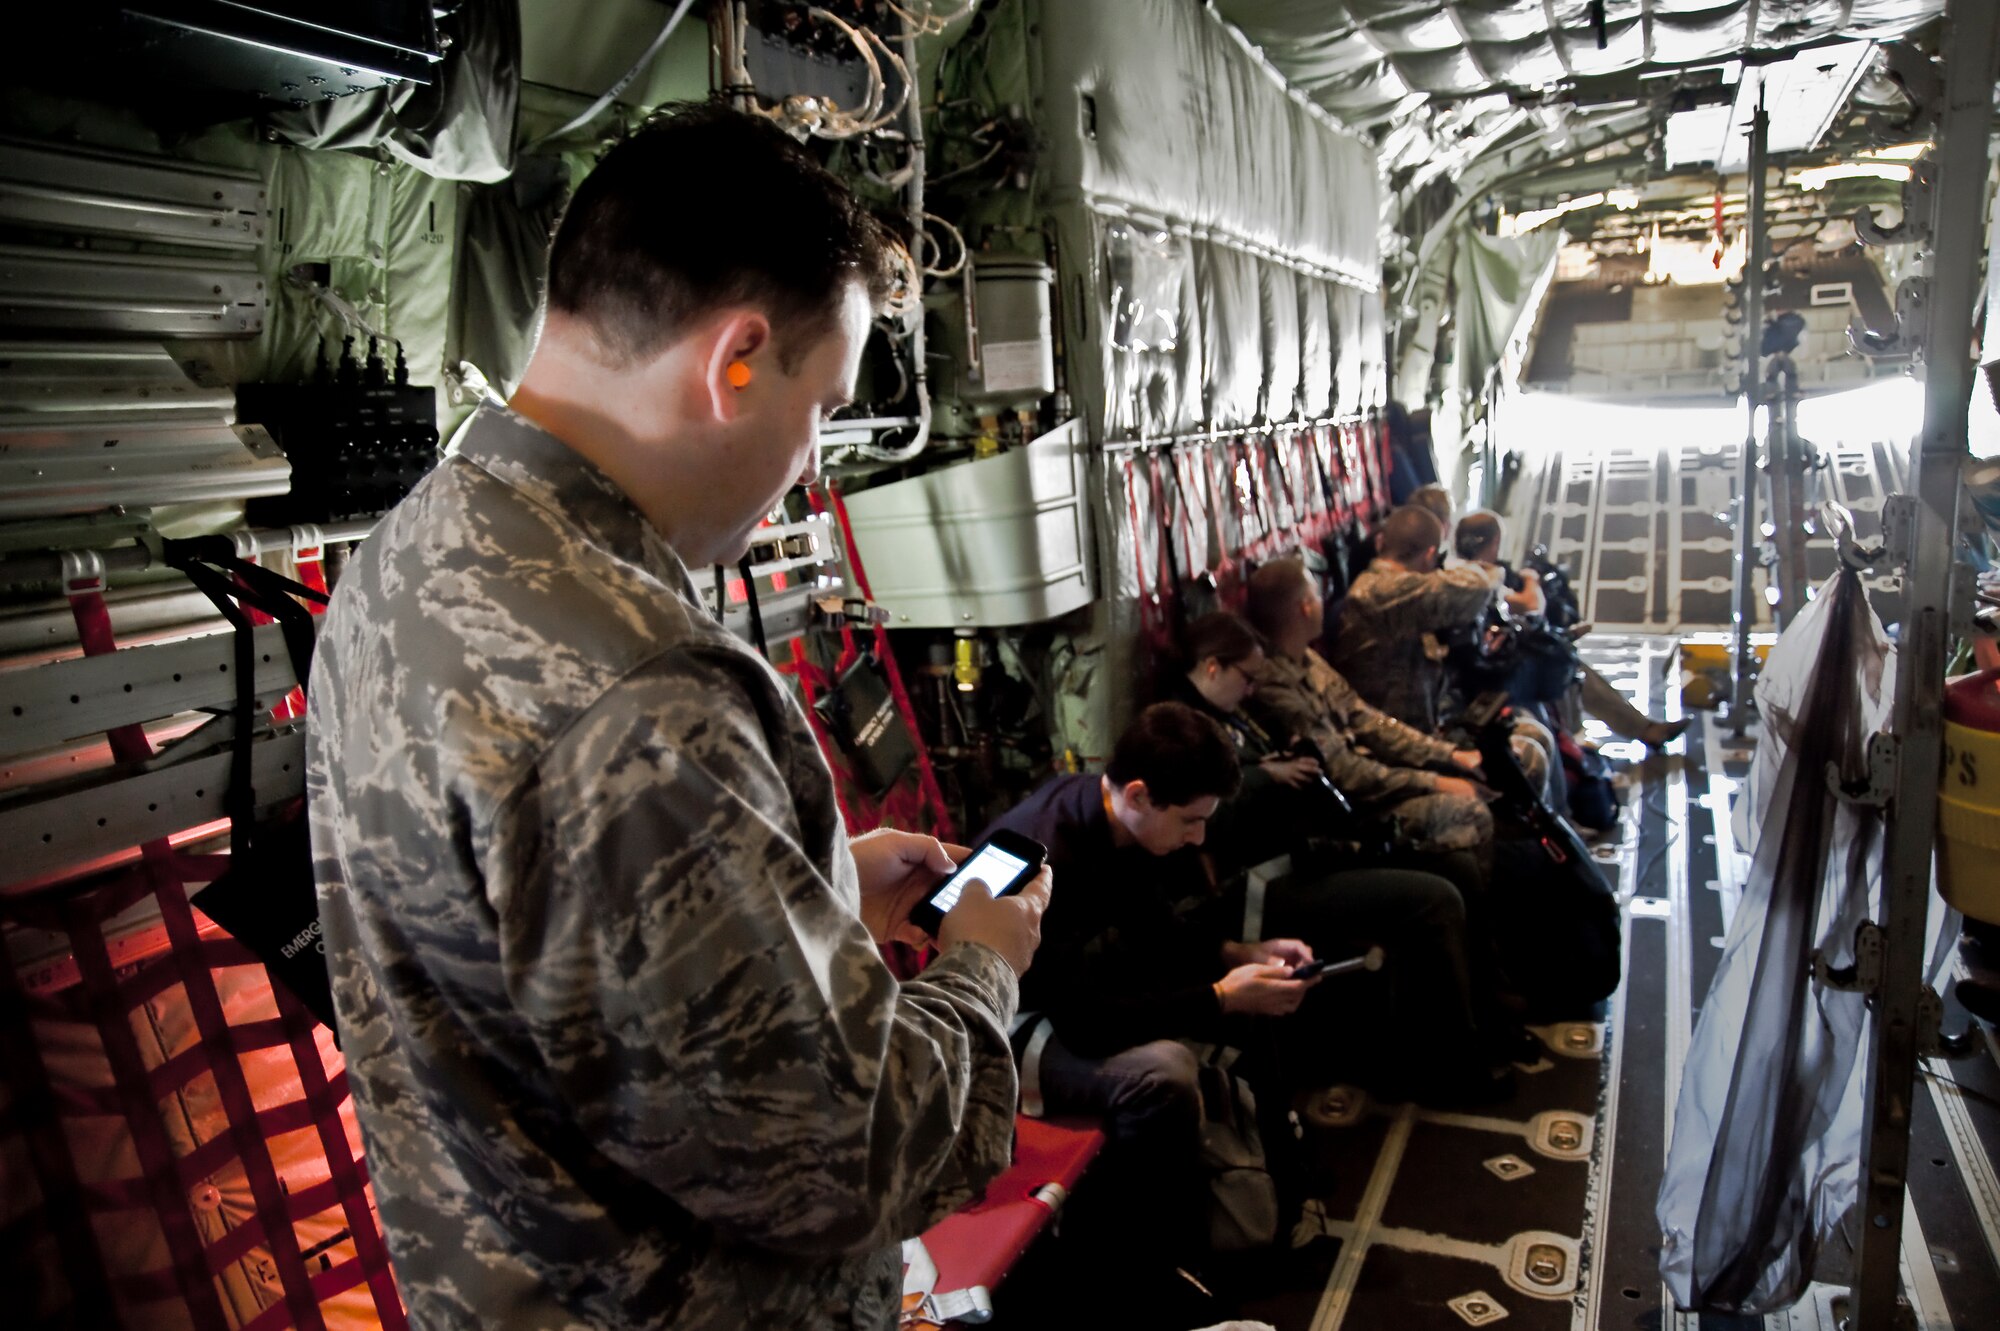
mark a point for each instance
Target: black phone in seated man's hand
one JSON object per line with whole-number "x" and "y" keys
{"x": 1006, "y": 862}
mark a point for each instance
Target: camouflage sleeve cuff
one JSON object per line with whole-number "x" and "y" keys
{"x": 989, "y": 974}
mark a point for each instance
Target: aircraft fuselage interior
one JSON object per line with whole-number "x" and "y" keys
{"x": 1435, "y": 558}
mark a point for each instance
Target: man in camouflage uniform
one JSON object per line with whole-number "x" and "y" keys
{"x": 1377, "y": 761}
{"x": 1388, "y": 645}
{"x": 622, "y": 1046}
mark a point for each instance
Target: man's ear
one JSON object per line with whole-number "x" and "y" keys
{"x": 1138, "y": 796}
{"x": 742, "y": 335}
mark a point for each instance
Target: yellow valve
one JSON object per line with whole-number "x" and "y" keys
{"x": 965, "y": 665}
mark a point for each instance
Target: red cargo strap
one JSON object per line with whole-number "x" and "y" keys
{"x": 139, "y": 1091}
{"x": 931, "y": 795}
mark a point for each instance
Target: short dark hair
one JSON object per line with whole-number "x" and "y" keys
{"x": 1475, "y": 532}
{"x": 1274, "y": 594}
{"x": 1181, "y": 755}
{"x": 1223, "y": 636}
{"x": 1433, "y": 499}
{"x": 1409, "y": 531}
{"x": 703, "y": 208}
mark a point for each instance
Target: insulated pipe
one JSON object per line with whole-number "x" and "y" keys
{"x": 38, "y": 569}
{"x": 1788, "y": 485}
{"x": 1743, "y": 605}
{"x": 914, "y": 202}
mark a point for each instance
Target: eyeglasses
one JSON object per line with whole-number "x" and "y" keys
{"x": 1249, "y": 680}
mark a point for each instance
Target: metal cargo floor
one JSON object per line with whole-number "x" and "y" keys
{"x": 1420, "y": 1217}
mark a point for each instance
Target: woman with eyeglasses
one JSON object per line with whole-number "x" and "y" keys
{"x": 1336, "y": 904}
{"x": 1224, "y": 657}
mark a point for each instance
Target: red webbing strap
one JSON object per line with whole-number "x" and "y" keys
{"x": 1229, "y": 503}
{"x": 926, "y": 777}
{"x": 326, "y": 1285}
{"x": 1147, "y": 595}
{"x": 1190, "y": 480}
{"x": 191, "y": 1270}
{"x": 238, "y": 1107}
{"x": 186, "y": 955}
{"x": 93, "y": 630}
{"x": 1353, "y": 473}
{"x": 1375, "y": 447}
{"x": 1156, "y": 489}
{"x": 310, "y": 563}
{"x": 850, "y": 650}
{"x": 1154, "y": 618}
{"x": 325, "y": 1098}
{"x": 33, "y": 1115}
{"x": 812, "y": 682}
{"x": 1298, "y": 504}
{"x": 192, "y": 1277}
{"x": 1326, "y": 458}
{"x": 85, "y": 588}
{"x": 927, "y": 782}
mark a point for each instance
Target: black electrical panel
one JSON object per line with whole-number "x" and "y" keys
{"x": 791, "y": 51}
{"x": 358, "y": 438}
{"x": 296, "y": 52}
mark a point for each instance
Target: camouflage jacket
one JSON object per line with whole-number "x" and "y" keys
{"x": 623, "y": 1053}
{"x": 1371, "y": 757}
{"x": 1387, "y": 645}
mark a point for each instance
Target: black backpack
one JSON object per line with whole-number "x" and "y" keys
{"x": 1556, "y": 921}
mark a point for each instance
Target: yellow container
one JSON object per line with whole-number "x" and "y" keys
{"x": 1969, "y": 797}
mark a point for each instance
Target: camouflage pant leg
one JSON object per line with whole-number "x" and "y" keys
{"x": 1535, "y": 749}
{"x": 1440, "y": 823}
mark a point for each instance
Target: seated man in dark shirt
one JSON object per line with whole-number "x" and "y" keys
{"x": 1122, "y": 976}
{"x": 1126, "y": 971}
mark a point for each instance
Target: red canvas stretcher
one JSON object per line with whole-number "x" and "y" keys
{"x": 974, "y": 1248}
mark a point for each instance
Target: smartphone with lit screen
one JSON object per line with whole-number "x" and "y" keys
{"x": 1006, "y": 862}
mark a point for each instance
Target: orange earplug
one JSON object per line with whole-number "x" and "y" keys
{"x": 739, "y": 374}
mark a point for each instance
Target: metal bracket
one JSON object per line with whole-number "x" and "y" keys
{"x": 972, "y": 1305}
{"x": 797, "y": 545}
{"x": 1865, "y": 975}
{"x": 1878, "y": 787}
{"x": 1915, "y": 228}
{"x": 1962, "y": 602}
{"x": 1906, "y": 337}
{"x": 1917, "y": 75}
{"x": 1932, "y": 1042}
{"x": 1899, "y": 529}
{"x": 834, "y": 611}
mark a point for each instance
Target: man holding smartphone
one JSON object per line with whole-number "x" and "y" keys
{"x": 1123, "y": 976}
{"x": 623, "y": 1049}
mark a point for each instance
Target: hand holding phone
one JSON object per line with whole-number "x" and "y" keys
{"x": 1006, "y": 862}
{"x": 1371, "y": 960}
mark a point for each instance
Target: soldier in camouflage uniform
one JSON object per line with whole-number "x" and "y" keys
{"x": 1389, "y": 644}
{"x": 624, "y": 1051}
{"x": 1377, "y": 761}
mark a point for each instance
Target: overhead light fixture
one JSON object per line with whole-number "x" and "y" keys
{"x": 1520, "y": 224}
{"x": 1817, "y": 177}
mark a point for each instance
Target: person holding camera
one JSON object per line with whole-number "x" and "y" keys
{"x": 1477, "y": 542}
{"x": 1390, "y": 642}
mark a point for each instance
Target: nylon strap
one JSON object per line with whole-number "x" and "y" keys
{"x": 1031, "y": 1064}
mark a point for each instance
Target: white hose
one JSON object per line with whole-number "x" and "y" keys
{"x": 610, "y": 95}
